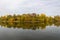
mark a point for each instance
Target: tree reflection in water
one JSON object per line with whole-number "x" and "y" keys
{"x": 28, "y": 25}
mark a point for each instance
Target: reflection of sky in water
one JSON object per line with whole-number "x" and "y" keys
{"x": 50, "y": 32}
{"x": 50, "y": 7}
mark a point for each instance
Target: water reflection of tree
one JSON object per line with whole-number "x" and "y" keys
{"x": 57, "y": 24}
{"x": 28, "y": 25}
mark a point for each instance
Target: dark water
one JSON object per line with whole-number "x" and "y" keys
{"x": 48, "y": 33}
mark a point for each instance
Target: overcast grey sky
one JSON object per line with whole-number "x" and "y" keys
{"x": 49, "y": 7}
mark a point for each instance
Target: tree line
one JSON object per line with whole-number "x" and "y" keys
{"x": 29, "y": 21}
{"x": 42, "y": 18}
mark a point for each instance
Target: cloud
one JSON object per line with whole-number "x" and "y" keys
{"x": 50, "y": 7}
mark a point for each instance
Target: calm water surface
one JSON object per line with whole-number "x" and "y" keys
{"x": 49, "y": 33}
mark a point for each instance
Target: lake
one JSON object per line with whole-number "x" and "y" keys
{"x": 29, "y": 32}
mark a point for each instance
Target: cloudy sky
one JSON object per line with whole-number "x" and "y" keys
{"x": 49, "y": 7}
